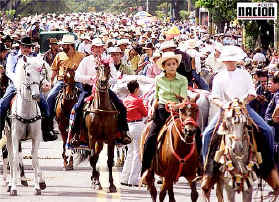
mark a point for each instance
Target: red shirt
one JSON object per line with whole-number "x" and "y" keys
{"x": 135, "y": 108}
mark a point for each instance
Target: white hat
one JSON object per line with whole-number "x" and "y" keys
{"x": 167, "y": 44}
{"x": 114, "y": 50}
{"x": 156, "y": 54}
{"x": 191, "y": 43}
{"x": 123, "y": 42}
{"x": 169, "y": 55}
{"x": 97, "y": 42}
{"x": 232, "y": 53}
{"x": 67, "y": 39}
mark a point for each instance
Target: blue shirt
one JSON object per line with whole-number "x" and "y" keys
{"x": 271, "y": 106}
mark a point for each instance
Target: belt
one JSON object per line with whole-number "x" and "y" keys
{"x": 135, "y": 121}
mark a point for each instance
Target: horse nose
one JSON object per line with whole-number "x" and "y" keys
{"x": 36, "y": 97}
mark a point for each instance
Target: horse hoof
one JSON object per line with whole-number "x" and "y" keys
{"x": 67, "y": 168}
{"x": 112, "y": 189}
{"x": 13, "y": 193}
{"x": 24, "y": 183}
{"x": 97, "y": 187}
{"x": 9, "y": 188}
{"x": 37, "y": 192}
{"x": 42, "y": 185}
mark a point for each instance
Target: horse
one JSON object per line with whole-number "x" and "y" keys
{"x": 65, "y": 102}
{"x": 26, "y": 121}
{"x": 177, "y": 153}
{"x": 237, "y": 155}
{"x": 100, "y": 125}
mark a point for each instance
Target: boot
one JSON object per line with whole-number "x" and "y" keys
{"x": 125, "y": 139}
{"x": 48, "y": 135}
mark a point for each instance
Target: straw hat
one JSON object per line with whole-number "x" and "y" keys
{"x": 232, "y": 54}
{"x": 97, "y": 42}
{"x": 169, "y": 55}
{"x": 67, "y": 39}
{"x": 52, "y": 41}
{"x": 167, "y": 44}
{"x": 114, "y": 50}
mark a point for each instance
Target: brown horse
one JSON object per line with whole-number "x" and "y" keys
{"x": 65, "y": 102}
{"x": 177, "y": 154}
{"x": 101, "y": 125}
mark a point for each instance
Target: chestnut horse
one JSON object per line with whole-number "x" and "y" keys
{"x": 65, "y": 102}
{"x": 101, "y": 125}
{"x": 177, "y": 154}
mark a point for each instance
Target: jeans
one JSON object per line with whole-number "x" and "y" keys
{"x": 266, "y": 131}
{"x": 51, "y": 98}
{"x": 200, "y": 81}
{"x": 6, "y": 100}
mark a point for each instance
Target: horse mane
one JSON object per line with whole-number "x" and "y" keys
{"x": 36, "y": 64}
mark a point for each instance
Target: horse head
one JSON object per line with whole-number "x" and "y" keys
{"x": 103, "y": 75}
{"x": 28, "y": 72}
{"x": 188, "y": 115}
{"x": 69, "y": 90}
{"x": 236, "y": 141}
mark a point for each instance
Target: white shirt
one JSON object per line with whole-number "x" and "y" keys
{"x": 195, "y": 54}
{"x": 228, "y": 85}
{"x": 86, "y": 70}
{"x": 214, "y": 63}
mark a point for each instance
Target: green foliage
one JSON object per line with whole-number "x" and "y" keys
{"x": 10, "y": 13}
{"x": 184, "y": 14}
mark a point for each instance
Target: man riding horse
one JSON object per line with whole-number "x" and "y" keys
{"x": 68, "y": 59}
{"x": 229, "y": 84}
{"x": 86, "y": 74}
{"x": 12, "y": 60}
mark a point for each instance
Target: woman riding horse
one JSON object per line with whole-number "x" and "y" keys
{"x": 86, "y": 74}
{"x": 170, "y": 86}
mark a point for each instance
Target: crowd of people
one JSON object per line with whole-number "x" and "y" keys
{"x": 178, "y": 62}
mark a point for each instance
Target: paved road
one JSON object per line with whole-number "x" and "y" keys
{"x": 74, "y": 186}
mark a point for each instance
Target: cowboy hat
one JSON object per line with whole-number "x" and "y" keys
{"x": 169, "y": 55}
{"x": 232, "y": 54}
{"x": 97, "y": 42}
{"x": 114, "y": 50}
{"x": 167, "y": 44}
{"x": 156, "y": 54}
{"x": 26, "y": 41}
{"x": 67, "y": 39}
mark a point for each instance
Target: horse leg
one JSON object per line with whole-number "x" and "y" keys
{"x": 68, "y": 165}
{"x": 151, "y": 187}
{"x": 23, "y": 179}
{"x": 171, "y": 194}
{"x": 10, "y": 157}
{"x": 14, "y": 168}
{"x": 247, "y": 195}
{"x": 35, "y": 164}
{"x": 5, "y": 165}
{"x": 193, "y": 186}
{"x": 230, "y": 193}
{"x": 163, "y": 191}
{"x": 219, "y": 190}
{"x": 112, "y": 188}
{"x": 206, "y": 186}
{"x": 93, "y": 161}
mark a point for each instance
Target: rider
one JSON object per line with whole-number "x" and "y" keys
{"x": 271, "y": 115}
{"x": 169, "y": 85}
{"x": 69, "y": 58}
{"x": 25, "y": 50}
{"x": 185, "y": 67}
{"x": 86, "y": 74}
{"x": 229, "y": 84}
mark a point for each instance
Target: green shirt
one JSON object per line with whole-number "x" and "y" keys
{"x": 166, "y": 90}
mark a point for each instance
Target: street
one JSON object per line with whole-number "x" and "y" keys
{"x": 75, "y": 185}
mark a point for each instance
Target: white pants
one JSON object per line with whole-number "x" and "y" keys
{"x": 132, "y": 165}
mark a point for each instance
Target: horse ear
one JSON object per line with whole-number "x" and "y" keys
{"x": 24, "y": 58}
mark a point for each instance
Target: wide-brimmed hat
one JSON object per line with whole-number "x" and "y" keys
{"x": 114, "y": 50}
{"x": 97, "y": 42}
{"x": 123, "y": 42}
{"x": 232, "y": 54}
{"x": 156, "y": 54}
{"x": 191, "y": 44}
{"x": 169, "y": 55}
{"x": 67, "y": 39}
{"x": 27, "y": 41}
{"x": 167, "y": 44}
{"x": 52, "y": 41}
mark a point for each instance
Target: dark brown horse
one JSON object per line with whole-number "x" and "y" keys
{"x": 101, "y": 125}
{"x": 65, "y": 102}
{"x": 177, "y": 154}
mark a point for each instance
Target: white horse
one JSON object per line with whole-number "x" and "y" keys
{"x": 26, "y": 121}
